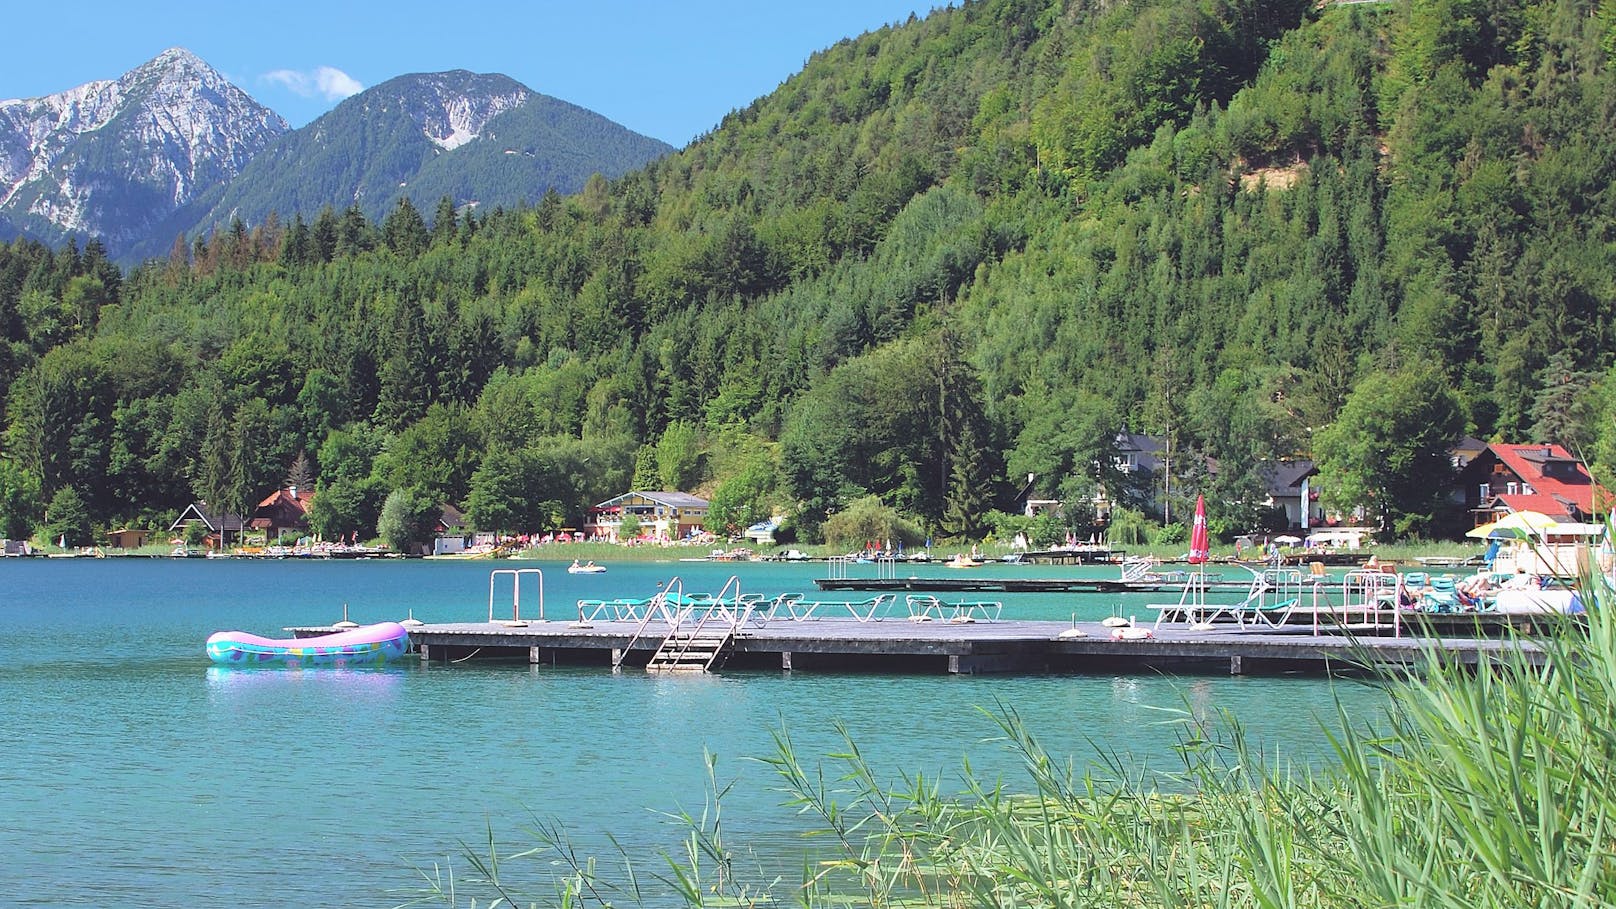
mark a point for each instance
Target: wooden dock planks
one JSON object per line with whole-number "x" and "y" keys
{"x": 897, "y": 645}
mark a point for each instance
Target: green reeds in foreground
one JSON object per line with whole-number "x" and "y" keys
{"x": 1490, "y": 788}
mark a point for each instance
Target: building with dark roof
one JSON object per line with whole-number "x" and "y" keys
{"x": 221, "y": 527}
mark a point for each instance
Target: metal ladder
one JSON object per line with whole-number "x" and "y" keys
{"x": 696, "y": 650}
{"x": 704, "y": 645}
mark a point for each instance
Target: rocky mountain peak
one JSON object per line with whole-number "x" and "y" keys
{"x": 65, "y": 159}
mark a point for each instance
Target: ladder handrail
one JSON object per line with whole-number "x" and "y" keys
{"x": 516, "y": 591}
{"x": 658, "y": 606}
{"x": 728, "y": 618}
{"x": 683, "y": 642}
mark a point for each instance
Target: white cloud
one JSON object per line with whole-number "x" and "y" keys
{"x": 326, "y": 82}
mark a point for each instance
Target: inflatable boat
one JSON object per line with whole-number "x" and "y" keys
{"x": 367, "y": 644}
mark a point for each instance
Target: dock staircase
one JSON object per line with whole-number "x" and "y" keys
{"x": 701, "y": 629}
{"x": 698, "y": 649}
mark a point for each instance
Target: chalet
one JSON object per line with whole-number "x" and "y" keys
{"x": 1291, "y": 489}
{"x": 661, "y": 515}
{"x": 221, "y": 527}
{"x": 1542, "y": 478}
{"x": 285, "y": 511}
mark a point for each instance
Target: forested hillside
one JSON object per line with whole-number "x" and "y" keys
{"x": 945, "y": 255}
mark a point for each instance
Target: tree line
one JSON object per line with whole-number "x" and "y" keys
{"x": 946, "y": 255}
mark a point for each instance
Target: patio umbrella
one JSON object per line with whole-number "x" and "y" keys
{"x": 1287, "y": 540}
{"x": 1199, "y": 546}
{"x": 1519, "y": 525}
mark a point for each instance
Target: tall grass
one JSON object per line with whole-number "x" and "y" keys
{"x": 1489, "y": 787}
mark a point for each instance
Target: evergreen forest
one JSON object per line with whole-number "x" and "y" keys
{"x": 945, "y": 255}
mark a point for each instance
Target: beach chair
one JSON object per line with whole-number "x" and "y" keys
{"x": 1442, "y": 597}
{"x": 923, "y": 607}
{"x": 784, "y": 606}
{"x": 966, "y": 611}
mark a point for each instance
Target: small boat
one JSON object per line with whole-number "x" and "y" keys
{"x": 591, "y": 568}
{"x": 366, "y": 644}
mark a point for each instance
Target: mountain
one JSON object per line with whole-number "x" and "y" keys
{"x": 114, "y": 158}
{"x": 481, "y": 139}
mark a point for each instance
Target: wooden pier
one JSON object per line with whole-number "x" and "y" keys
{"x": 901, "y": 646}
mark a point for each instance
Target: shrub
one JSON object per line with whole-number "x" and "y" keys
{"x": 869, "y": 519}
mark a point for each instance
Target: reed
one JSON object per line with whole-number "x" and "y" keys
{"x": 1483, "y": 787}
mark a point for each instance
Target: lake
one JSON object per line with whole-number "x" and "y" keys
{"x": 136, "y": 774}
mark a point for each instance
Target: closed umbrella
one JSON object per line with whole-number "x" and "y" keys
{"x": 1200, "y": 549}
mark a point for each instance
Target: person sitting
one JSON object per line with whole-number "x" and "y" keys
{"x": 1472, "y": 591}
{"x": 1373, "y": 564}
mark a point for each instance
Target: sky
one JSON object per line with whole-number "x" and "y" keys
{"x": 670, "y": 70}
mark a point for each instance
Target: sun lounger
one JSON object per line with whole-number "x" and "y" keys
{"x": 791, "y": 606}
{"x": 926, "y": 608}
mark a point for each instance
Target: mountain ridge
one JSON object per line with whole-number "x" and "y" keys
{"x": 373, "y": 148}
{"x": 171, "y": 147}
{"x": 113, "y": 157}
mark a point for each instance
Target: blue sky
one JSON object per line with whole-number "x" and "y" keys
{"x": 670, "y": 70}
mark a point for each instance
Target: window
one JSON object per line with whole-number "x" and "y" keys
{"x": 1511, "y": 488}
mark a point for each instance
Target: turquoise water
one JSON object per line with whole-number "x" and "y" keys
{"x": 135, "y": 774}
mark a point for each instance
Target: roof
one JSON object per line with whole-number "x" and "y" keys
{"x": 1466, "y": 449}
{"x": 1284, "y": 478}
{"x": 669, "y": 499}
{"x": 282, "y": 508}
{"x": 1542, "y": 503}
{"x": 1144, "y": 447}
{"x": 451, "y": 518}
{"x": 1550, "y": 494}
{"x": 214, "y": 521}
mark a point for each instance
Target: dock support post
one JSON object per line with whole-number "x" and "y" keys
{"x": 785, "y": 660}
{"x": 425, "y": 656}
{"x": 1237, "y": 665}
{"x": 617, "y": 656}
{"x": 953, "y": 664}
{"x": 533, "y": 655}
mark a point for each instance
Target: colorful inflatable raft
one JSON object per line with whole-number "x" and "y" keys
{"x": 368, "y": 644}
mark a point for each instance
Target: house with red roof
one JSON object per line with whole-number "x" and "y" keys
{"x": 1542, "y": 478}
{"x": 285, "y": 511}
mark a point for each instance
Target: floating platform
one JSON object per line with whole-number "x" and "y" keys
{"x": 901, "y": 646}
{"x": 966, "y": 583}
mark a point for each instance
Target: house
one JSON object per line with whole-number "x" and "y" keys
{"x": 221, "y": 527}
{"x": 1140, "y": 461}
{"x": 285, "y": 511}
{"x": 1291, "y": 489}
{"x": 1028, "y": 503}
{"x": 127, "y": 538}
{"x": 1465, "y": 450}
{"x": 1539, "y": 477}
{"x": 661, "y": 515}
{"x": 449, "y": 534}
